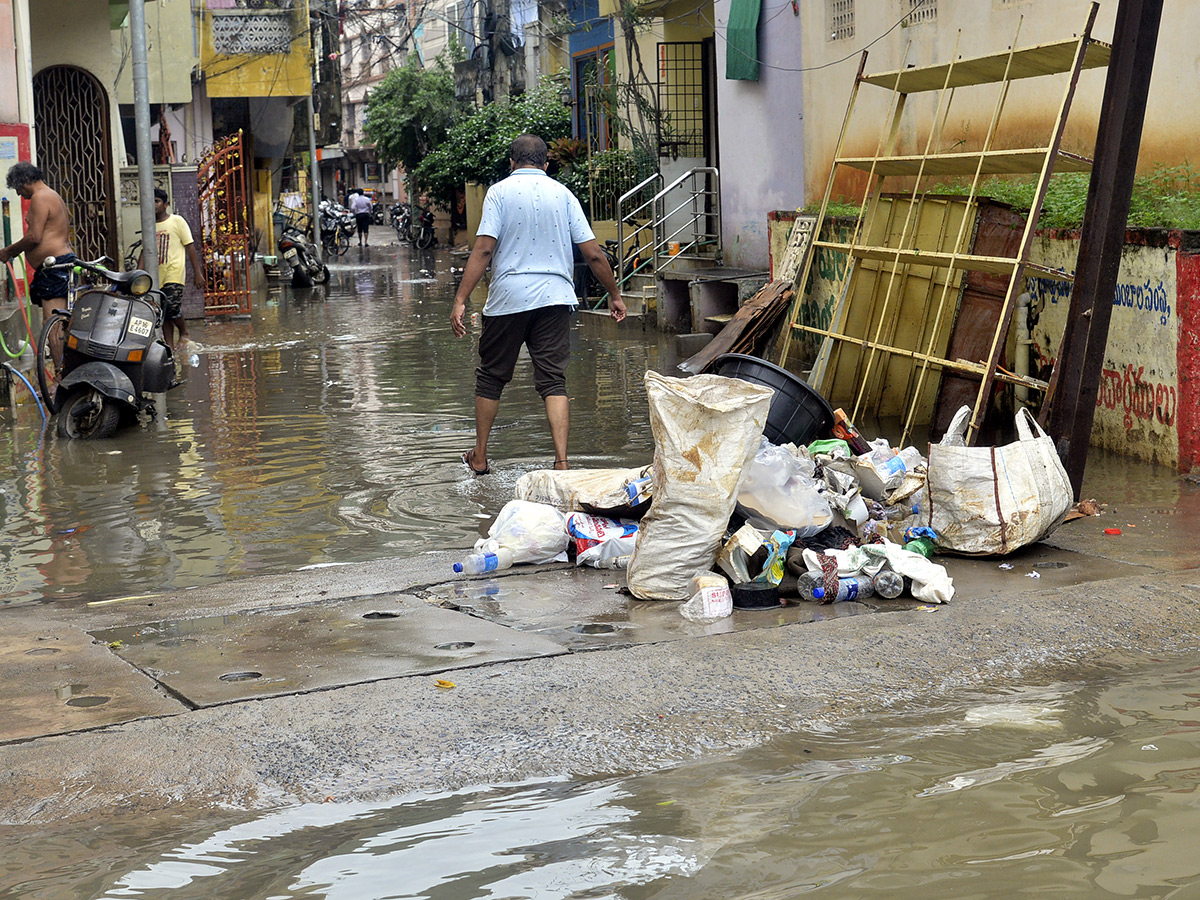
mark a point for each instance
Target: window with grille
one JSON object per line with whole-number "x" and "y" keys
{"x": 921, "y": 11}
{"x": 840, "y": 19}
{"x": 260, "y": 32}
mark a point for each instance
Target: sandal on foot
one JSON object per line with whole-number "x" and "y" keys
{"x": 466, "y": 459}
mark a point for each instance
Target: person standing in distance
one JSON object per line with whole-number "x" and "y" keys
{"x": 528, "y": 226}
{"x": 360, "y": 205}
{"x": 47, "y": 233}
{"x": 174, "y": 242}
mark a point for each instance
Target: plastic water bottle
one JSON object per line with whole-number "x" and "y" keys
{"x": 194, "y": 360}
{"x": 478, "y": 563}
{"x": 853, "y": 587}
{"x": 889, "y": 584}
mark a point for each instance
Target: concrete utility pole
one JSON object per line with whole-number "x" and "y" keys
{"x": 314, "y": 176}
{"x": 145, "y": 155}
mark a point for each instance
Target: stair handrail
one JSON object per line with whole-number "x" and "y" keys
{"x": 623, "y": 217}
{"x": 661, "y": 240}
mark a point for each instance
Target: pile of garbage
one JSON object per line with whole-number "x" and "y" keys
{"x": 725, "y": 518}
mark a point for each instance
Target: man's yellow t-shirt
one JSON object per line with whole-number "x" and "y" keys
{"x": 173, "y": 235}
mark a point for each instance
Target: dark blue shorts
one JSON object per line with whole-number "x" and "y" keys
{"x": 52, "y": 285}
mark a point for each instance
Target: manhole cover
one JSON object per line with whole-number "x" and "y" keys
{"x": 87, "y": 701}
{"x": 381, "y": 615}
{"x": 594, "y": 628}
{"x": 240, "y": 676}
{"x": 1054, "y": 564}
{"x": 454, "y": 645}
{"x": 42, "y": 651}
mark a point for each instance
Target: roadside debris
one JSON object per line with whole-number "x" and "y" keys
{"x": 727, "y": 519}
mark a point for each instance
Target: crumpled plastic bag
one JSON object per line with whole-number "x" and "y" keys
{"x": 602, "y": 542}
{"x": 533, "y": 532}
{"x": 780, "y": 493}
{"x": 930, "y": 581}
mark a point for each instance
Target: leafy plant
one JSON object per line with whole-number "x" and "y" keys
{"x": 412, "y": 111}
{"x": 476, "y": 148}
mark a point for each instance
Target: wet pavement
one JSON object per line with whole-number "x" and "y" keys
{"x": 285, "y": 538}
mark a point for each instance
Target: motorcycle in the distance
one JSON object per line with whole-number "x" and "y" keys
{"x": 337, "y": 227}
{"x": 111, "y": 362}
{"x": 402, "y": 221}
{"x": 424, "y": 236}
{"x": 301, "y": 255}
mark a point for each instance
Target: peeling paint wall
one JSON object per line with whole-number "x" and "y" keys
{"x": 1137, "y": 406}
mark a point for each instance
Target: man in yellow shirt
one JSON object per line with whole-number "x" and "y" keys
{"x": 174, "y": 243}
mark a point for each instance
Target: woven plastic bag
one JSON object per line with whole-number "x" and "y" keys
{"x": 706, "y": 429}
{"x": 990, "y": 501}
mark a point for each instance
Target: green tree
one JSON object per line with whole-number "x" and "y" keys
{"x": 411, "y": 111}
{"x": 476, "y": 148}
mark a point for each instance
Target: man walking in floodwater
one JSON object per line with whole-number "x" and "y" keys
{"x": 47, "y": 233}
{"x": 528, "y": 225}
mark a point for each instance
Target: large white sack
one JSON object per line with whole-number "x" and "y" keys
{"x": 706, "y": 428}
{"x": 597, "y": 491}
{"x": 993, "y": 500}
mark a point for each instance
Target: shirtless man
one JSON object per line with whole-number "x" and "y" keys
{"x": 47, "y": 233}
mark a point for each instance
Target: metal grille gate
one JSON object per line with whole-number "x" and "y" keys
{"x": 70, "y": 110}
{"x": 225, "y": 228}
{"x": 682, "y": 99}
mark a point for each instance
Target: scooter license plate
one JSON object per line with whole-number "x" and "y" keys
{"x": 141, "y": 327}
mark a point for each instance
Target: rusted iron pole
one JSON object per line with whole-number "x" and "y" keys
{"x": 1081, "y": 357}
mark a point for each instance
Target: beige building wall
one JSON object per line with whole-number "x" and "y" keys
{"x": 172, "y": 52}
{"x": 966, "y": 28}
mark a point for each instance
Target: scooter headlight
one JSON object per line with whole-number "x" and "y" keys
{"x": 141, "y": 284}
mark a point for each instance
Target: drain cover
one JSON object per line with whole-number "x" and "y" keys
{"x": 454, "y": 645}
{"x": 594, "y": 628}
{"x": 41, "y": 651}
{"x": 381, "y": 615}
{"x": 87, "y": 701}
{"x": 240, "y": 676}
{"x": 1053, "y": 564}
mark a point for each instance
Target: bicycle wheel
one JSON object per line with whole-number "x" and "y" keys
{"x": 54, "y": 334}
{"x": 343, "y": 241}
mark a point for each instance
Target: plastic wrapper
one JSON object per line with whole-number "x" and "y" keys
{"x": 601, "y": 542}
{"x": 533, "y": 532}
{"x": 779, "y": 492}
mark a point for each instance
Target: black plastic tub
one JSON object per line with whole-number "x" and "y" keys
{"x": 798, "y": 414}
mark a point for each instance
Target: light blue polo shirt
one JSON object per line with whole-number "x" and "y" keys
{"x": 535, "y": 221}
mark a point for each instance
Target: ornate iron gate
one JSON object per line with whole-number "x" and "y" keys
{"x": 70, "y": 109}
{"x": 225, "y": 227}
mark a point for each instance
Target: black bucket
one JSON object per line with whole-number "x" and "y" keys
{"x": 798, "y": 414}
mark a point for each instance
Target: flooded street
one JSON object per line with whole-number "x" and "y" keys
{"x": 1076, "y": 789}
{"x": 1037, "y": 735}
{"x": 326, "y": 428}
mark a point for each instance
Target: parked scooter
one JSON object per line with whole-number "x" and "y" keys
{"x": 111, "y": 361}
{"x": 301, "y": 255}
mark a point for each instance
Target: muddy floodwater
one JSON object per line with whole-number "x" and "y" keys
{"x": 325, "y": 428}
{"x": 1065, "y": 789}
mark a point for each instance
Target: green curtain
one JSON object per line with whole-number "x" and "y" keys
{"x": 741, "y": 40}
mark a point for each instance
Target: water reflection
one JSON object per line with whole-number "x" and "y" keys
{"x": 1070, "y": 789}
{"x": 327, "y": 426}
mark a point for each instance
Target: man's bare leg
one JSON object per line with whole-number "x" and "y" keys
{"x": 558, "y": 414}
{"x": 485, "y": 417}
{"x": 58, "y": 337}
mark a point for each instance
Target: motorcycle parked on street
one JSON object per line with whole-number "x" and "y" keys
{"x": 301, "y": 255}
{"x": 337, "y": 227}
{"x": 402, "y": 221}
{"x": 424, "y": 236}
{"x": 111, "y": 362}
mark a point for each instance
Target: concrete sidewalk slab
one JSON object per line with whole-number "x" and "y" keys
{"x": 212, "y": 660}
{"x": 59, "y": 680}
